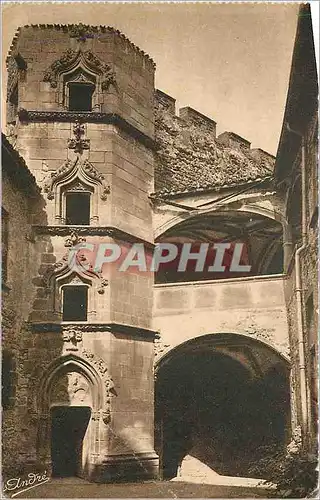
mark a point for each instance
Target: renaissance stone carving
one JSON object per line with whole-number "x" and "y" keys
{"x": 71, "y": 389}
{"x": 71, "y": 337}
{"x": 103, "y": 283}
{"x": 66, "y": 60}
{"x": 90, "y": 170}
{"x": 74, "y": 239}
{"x": 56, "y": 268}
{"x": 79, "y": 143}
{"x": 72, "y": 58}
{"x": 82, "y": 172}
{"x": 101, "y": 367}
{"x": 63, "y": 171}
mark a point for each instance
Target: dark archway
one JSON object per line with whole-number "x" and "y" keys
{"x": 219, "y": 404}
{"x": 68, "y": 427}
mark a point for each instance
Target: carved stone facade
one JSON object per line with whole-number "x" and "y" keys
{"x": 142, "y": 175}
{"x": 87, "y": 161}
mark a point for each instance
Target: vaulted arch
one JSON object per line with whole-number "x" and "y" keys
{"x": 219, "y": 400}
{"x": 251, "y": 227}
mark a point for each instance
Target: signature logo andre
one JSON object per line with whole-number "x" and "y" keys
{"x": 16, "y": 485}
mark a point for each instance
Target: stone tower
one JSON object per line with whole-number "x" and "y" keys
{"x": 81, "y": 113}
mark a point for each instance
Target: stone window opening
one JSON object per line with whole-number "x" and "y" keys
{"x": 81, "y": 178}
{"x": 80, "y": 90}
{"x": 74, "y": 303}
{"x": 77, "y": 206}
{"x": 74, "y": 295}
{"x": 80, "y": 96}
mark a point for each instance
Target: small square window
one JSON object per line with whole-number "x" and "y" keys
{"x": 75, "y": 303}
{"x": 80, "y": 96}
{"x": 78, "y": 209}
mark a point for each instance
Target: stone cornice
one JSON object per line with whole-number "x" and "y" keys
{"x": 131, "y": 331}
{"x": 87, "y": 117}
{"x": 112, "y": 232}
{"x": 82, "y": 32}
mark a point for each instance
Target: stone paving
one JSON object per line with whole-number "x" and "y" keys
{"x": 78, "y": 488}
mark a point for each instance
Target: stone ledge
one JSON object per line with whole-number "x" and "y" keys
{"x": 41, "y": 327}
{"x": 87, "y": 117}
{"x": 111, "y": 231}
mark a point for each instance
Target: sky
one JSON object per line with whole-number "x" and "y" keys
{"x": 231, "y": 62}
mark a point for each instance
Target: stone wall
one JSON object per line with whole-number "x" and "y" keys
{"x": 17, "y": 298}
{"x": 190, "y": 158}
{"x": 309, "y": 285}
{"x": 250, "y": 306}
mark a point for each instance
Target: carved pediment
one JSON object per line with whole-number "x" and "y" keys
{"x": 62, "y": 172}
{"x": 72, "y": 59}
{"x": 78, "y": 175}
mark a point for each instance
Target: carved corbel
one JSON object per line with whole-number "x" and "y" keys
{"x": 72, "y": 338}
{"x": 74, "y": 239}
{"x": 79, "y": 143}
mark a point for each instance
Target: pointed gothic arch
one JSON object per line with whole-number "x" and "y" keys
{"x": 92, "y": 377}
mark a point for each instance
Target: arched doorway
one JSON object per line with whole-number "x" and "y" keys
{"x": 70, "y": 413}
{"x": 220, "y": 400}
{"x": 73, "y": 406}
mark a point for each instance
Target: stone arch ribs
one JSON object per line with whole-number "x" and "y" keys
{"x": 224, "y": 342}
{"x": 88, "y": 65}
{"x": 85, "y": 175}
{"x": 275, "y": 215}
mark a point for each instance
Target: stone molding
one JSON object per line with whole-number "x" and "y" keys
{"x": 101, "y": 367}
{"x": 74, "y": 168}
{"x": 43, "y": 327}
{"x": 79, "y": 142}
{"x": 78, "y": 31}
{"x": 72, "y": 59}
{"x": 88, "y": 117}
{"x": 111, "y": 231}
